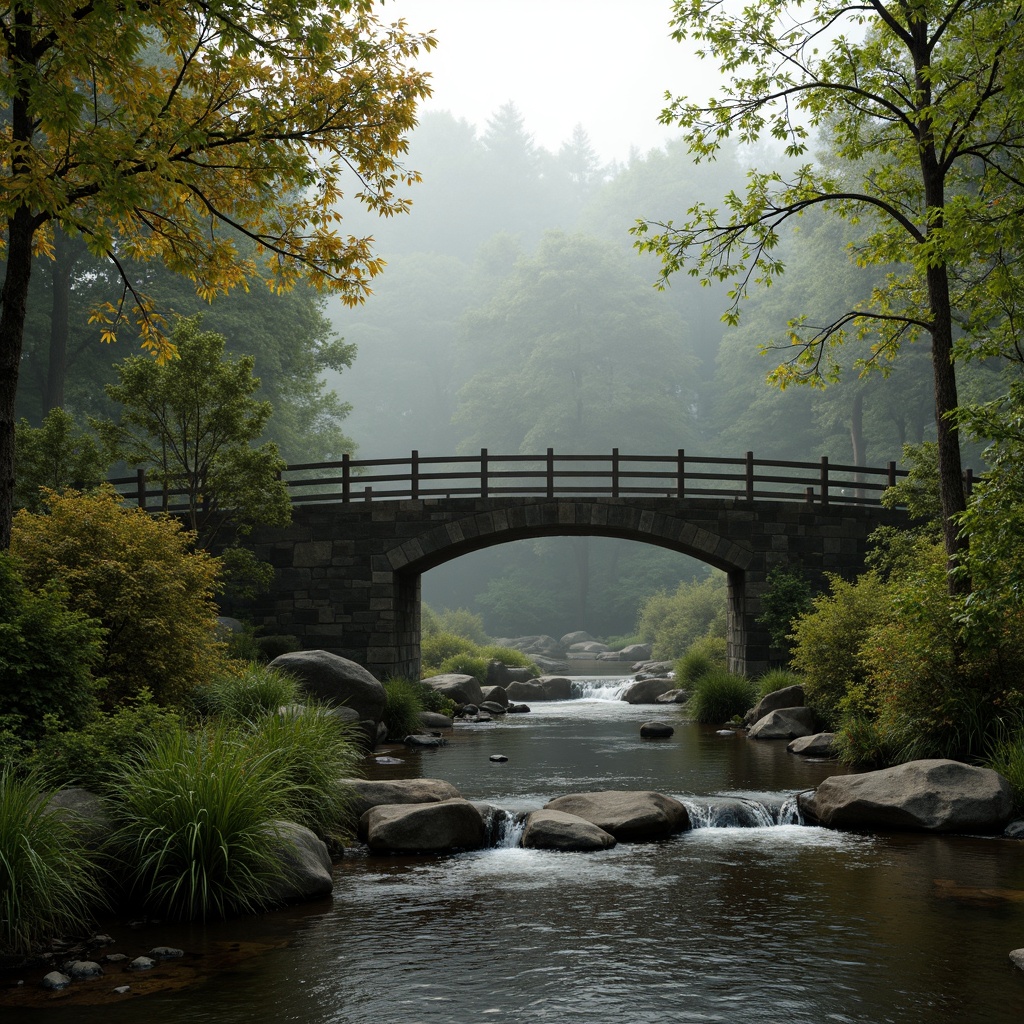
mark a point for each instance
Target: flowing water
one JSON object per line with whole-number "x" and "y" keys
{"x": 750, "y": 917}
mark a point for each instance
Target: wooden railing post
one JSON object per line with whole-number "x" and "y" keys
{"x": 483, "y": 472}
{"x": 414, "y": 474}
{"x": 680, "y": 473}
{"x": 824, "y": 479}
{"x": 968, "y": 481}
{"x": 346, "y": 478}
{"x": 368, "y": 493}
{"x": 892, "y": 474}
{"x": 551, "y": 472}
{"x": 750, "y": 476}
{"x": 615, "y": 472}
{"x": 140, "y": 486}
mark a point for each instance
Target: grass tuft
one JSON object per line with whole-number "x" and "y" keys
{"x": 719, "y": 695}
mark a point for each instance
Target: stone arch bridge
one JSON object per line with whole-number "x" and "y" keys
{"x": 348, "y": 567}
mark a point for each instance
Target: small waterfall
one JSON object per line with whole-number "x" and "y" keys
{"x": 504, "y": 828}
{"x": 742, "y": 812}
{"x": 600, "y": 689}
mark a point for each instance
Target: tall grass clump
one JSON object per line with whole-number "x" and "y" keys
{"x": 437, "y": 647}
{"x": 776, "y": 679}
{"x": 511, "y": 657}
{"x": 719, "y": 695}
{"x": 403, "y": 703}
{"x": 467, "y": 664}
{"x": 48, "y": 881}
{"x": 195, "y": 819}
{"x": 315, "y": 751}
{"x": 255, "y": 691}
{"x": 1005, "y": 754}
{"x": 703, "y": 655}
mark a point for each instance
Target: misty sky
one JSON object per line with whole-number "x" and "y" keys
{"x": 604, "y": 64}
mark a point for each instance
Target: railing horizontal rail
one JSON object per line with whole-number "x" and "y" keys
{"x": 615, "y": 475}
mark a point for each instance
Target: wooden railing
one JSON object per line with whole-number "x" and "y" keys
{"x": 678, "y": 475}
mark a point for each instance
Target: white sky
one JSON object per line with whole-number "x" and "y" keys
{"x": 605, "y": 64}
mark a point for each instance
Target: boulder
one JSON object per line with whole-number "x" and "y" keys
{"x": 543, "y": 688}
{"x": 629, "y": 815}
{"x": 932, "y": 796}
{"x": 335, "y": 680}
{"x": 786, "y": 724}
{"x": 369, "y": 793}
{"x": 419, "y": 739}
{"x": 651, "y": 669}
{"x": 787, "y": 697}
{"x": 579, "y": 636}
{"x": 656, "y": 731}
{"x": 424, "y": 828}
{"x": 497, "y": 694}
{"x": 1017, "y": 958}
{"x": 461, "y": 688}
{"x": 556, "y": 830}
{"x": 821, "y": 744}
{"x": 588, "y": 647}
{"x": 673, "y": 697}
{"x": 433, "y": 720}
{"x": 635, "y": 652}
{"x": 647, "y": 691}
{"x": 492, "y": 707}
{"x": 518, "y": 709}
{"x": 497, "y": 674}
{"x": 306, "y": 860}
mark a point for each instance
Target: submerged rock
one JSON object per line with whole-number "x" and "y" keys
{"x": 932, "y": 796}
{"x": 821, "y": 744}
{"x": 629, "y": 815}
{"x": 557, "y": 830}
{"x": 370, "y": 793}
{"x": 55, "y": 981}
{"x": 656, "y": 730}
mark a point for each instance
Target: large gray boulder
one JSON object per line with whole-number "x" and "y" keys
{"x": 629, "y": 815}
{"x": 424, "y": 828}
{"x": 542, "y": 688}
{"x": 787, "y": 697}
{"x": 335, "y": 680}
{"x": 588, "y": 647}
{"x": 306, "y": 862}
{"x": 556, "y": 830}
{"x": 635, "y": 652}
{"x": 371, "y": 793}
{"x": 647, "y": 691}
{"x": 821, "y": 744}
{"x": 931, "y": 796}
{"x": 786, "y": 724}
{"x": 461, "y": 688}
{"x": 579, "y": 636}
{"x": 496, "y": 693}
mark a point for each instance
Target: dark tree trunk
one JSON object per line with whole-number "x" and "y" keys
{"x": 13, "y": 304}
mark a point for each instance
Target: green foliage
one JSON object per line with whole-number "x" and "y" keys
{"x": 139, "y": 577}
{"x": 48, "y": 882}
{"x": 55, "y": 455}
{"x": 704, "y": 654}
{"x": 828, "y": 645}
{"x": 434, "y": 700}
{"x": 314, "y": 750}
{"x": 1004, "y": 753}
{"x": 787, "y": 598}
{"x": 467, "y": 663}
{"x": 776, "y": 679}
{"x": 457, "y": 621}
{"x": 195, "y": 819}
{"x": 509, "y": 656}
{"x": 862, "y": 742}
{"x": 256, "y": 691}
{"x": 47, "y": 653}
{"x": 672, "y": 622}
{"x": 245, "y": 575}
{"x": 719, "y": 696}
{"x": 193, "y": 422}
{"x": 404, "y": 700}
{"x": 437, "y": 647}
{"x": 92, "y": 755}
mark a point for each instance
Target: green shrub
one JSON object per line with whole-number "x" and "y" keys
{"x": 776, "y": 679}
{"x": 273, "y": 646}
{"x": 47, "y": 651}
{"x": 467, "y": 664}
{"x": 719, "y": 696}
{"x": 704, "y": 654}
{"x": 403, "y": 702}
{"x": 672, "y": 622}
{"x": 862, "y": 743}
{"x": 48, "y": 882}
{"x": 787, "y": 598}
{"x": 434, "y": 700}
{"x": 258, "y": 690}
{"x": 509, "y": 656}
{"x": 315, "y": 751}
{"x": 434, "y": 649}
{"x": 138, "y": 575}
{"x": 829, "y": 646}
{"x": 1005, "y": 754}
{"x": 462, "y": 622}
{"x": 92, "y": 755}
{"x": 195, "y": 821}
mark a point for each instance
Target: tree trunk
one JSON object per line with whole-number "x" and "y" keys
{"x": 13, "y": 304}
{"x": 60, "y": 303}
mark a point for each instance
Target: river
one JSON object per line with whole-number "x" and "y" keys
{"x": 782, "y": 922}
